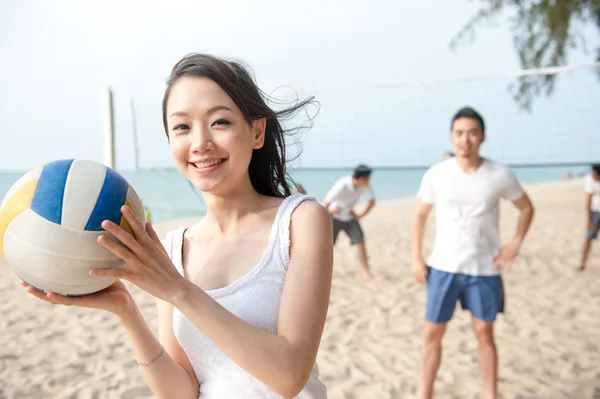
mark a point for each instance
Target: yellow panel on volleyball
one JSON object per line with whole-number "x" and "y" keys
{"x": 17, "y": 200}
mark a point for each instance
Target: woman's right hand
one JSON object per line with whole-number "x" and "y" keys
{"x": 115, "y": 299}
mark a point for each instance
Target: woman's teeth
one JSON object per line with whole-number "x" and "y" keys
{"x": 201, "y": 165}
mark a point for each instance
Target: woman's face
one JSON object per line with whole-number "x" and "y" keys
{"x": 210, "y": 140}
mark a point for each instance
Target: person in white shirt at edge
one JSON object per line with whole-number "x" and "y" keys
{"x": 243, "y": 294}
{"x": 591, "y": 187}
{"x": 341, "y": 200}
{"x": 467, "y": 255}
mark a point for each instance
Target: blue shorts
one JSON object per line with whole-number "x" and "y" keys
{"x": 592, "y": 233}
{"x": 482, "y": 295}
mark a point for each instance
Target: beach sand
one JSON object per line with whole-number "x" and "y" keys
{"x": 548, "y": 339}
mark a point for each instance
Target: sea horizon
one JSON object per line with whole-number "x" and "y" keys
{"x": 168, "y": 196}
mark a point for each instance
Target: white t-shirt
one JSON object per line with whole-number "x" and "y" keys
{"x": 592, "y": 186}
{"x": 467, "y": 213}
{"x": 344, "y": 196}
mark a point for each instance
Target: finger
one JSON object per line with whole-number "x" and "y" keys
{"x": 38, "y": 294}
{"x": 152, "y": 234}
{"x": 60, "y": 299}
{"x": 419, "y": 278}
{"x": 138, "y": 227}
{"x": 154, "y": 237}
{"x": 85, "y": 301}
{"x": 78, "y": 300}
{"x": 118, "y": 249}
{"x": 124, "y": 237}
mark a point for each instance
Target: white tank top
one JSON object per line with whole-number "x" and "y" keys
{"x": 255, "y": 298}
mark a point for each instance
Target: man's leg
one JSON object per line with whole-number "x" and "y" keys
{"x": 336, "y": 227}
{"x": 587, "y": 244}
{"x": 591, "y": 234}
{"x": 431, "y": 357}
{"x": 364, "y": 261}
{"x": 488, "y": 356}
{"x": 484, "y": 297}
{"x": 357, "y": 239}
{"x": 443, "y": 290}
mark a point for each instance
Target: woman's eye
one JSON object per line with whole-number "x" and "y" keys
{"x": 220, "y": 122}
{"x": 181, "y": 126}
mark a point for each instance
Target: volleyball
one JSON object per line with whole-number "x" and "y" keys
{"x": 50, "y": 220}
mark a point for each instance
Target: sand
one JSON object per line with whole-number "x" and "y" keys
{"x": 548, "y": 338}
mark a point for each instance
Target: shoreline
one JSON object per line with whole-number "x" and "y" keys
{"x": 163, "y": 227}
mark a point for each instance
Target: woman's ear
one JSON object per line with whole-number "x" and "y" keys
{"x": 258, "y": 132}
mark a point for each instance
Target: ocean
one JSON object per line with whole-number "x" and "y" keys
{"x": 168, "y": 196}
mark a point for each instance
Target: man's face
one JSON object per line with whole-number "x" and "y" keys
{"x": 362, "y": 181}
{"x": 466, "y": 137}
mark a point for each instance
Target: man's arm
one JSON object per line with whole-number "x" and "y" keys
{"x": 425, "y": 203}
{"x": 332, "y": 211}
{"x": 418, "y": 231}
{"x": 370, "y": 206}
{"x": 525, "y": 206}
{"x": 515, "y": 194}
{"x": 330, "y": 197}
{"x": 509, "y": 252}
{"x": 588, "y": 208}
{"x": 589, "y": 191}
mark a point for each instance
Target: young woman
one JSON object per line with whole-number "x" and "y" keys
{"x": 242, "y": 295}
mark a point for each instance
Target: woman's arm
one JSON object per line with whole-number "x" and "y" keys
{"x": 283, "y": 361}
{"x": 171, "y": 375}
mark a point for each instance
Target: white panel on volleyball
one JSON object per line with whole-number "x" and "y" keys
{"x": 26, "y": 178}
{"x": 28, "y": 240}
{"x": 83, "y": 186}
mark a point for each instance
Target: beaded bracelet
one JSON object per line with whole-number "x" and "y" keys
{"x": 162, "y": 352}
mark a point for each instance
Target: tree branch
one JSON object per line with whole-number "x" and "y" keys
{"x": 543, "y": 33}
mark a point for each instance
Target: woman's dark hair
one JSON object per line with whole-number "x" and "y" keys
{"x": 268, "y": 165}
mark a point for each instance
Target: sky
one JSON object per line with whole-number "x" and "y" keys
{"x": 58, "y": 58}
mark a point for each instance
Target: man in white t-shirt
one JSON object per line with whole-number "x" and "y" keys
{"x": 341, "y": 200}
{"x": 468, "y": 254}
{"x": 591, "y": 187}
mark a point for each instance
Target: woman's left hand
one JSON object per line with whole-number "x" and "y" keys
{"x": 147, "y": 264}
